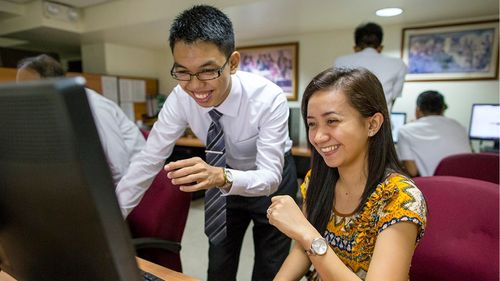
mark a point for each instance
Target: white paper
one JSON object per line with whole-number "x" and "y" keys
{"x": 139, "y": 91}
{"x": 110, "y": 88}
{"x": 125, "y": 90}
{"x": 128, "y": 109}
{"x": 132, "y": 90}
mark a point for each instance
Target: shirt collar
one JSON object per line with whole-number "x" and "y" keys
{"x": 369, "y": 50}
{"x": 230, "y": 106}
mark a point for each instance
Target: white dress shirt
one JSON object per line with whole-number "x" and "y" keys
{"x": 390, "y": 71}
{"x": 255, "y": 124}
{"x": 120, "y": 138}
{"x": 430, "y": 139}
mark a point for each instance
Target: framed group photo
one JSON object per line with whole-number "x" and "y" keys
{"x": 466, "y": 51}
{"x": 277, "y": 62}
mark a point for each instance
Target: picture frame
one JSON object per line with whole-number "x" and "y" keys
{"x": 464, "y": 51}
{"x": 276, "y": 62}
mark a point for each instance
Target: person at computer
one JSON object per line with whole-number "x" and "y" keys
{"x": 120, "y": 138}
{"x": 422, "y": 144}
{"x": 246, "y": 162}
{"x": 390, "y": 71}
{"x": 362, "y": 216}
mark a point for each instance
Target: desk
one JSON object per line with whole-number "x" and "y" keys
{"x": 145, "y": 265}
{"x": 186, "y": 147}
{"x": 195, "y": 142}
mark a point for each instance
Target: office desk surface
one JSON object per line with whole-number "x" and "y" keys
{"x": 194, "y": 142}
{"x": 145, "y": 265}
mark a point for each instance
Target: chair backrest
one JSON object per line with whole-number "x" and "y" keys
{"x": 461, "y": 239}
{"x": 481, "y": 166}
{"x": 162, "y": 213}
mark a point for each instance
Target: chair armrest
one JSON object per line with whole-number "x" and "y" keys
{"x": 151, "y": 242}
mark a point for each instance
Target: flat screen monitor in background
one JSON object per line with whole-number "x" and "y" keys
{"x": 485, "y": 123}
{"x": 398, "y": 119}
{"x": 59, "y": 216}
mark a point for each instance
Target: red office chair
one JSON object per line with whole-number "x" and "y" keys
{"x": 157, "y": 223}
{"x": 481, "y": 166}
{"x": 461, "y": 238}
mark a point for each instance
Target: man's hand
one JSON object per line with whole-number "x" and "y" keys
{"x": 194, "y": 174}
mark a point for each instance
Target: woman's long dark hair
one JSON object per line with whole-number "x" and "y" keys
{"x": 364, "y": 93}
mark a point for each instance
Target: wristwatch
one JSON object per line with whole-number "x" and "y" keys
{"x": 319, "y": 246}
{"x": 228, "y": 179}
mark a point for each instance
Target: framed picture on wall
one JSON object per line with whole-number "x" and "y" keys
{"x": 277, "y": 62}
{"x": 464, "y": 51}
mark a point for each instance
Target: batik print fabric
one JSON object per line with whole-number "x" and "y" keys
{"x": 353, "y": 236}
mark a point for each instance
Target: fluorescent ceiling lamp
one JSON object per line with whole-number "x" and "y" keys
{"x": 389, "y": 12}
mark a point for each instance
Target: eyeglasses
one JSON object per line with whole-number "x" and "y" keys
{"x": 205, "y": 75}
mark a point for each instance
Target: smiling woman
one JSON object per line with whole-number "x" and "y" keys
{"x": 356, "y": 196}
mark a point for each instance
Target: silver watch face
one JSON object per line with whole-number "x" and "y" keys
{"x": 229, "y": 176}
{"x": 319, "y": 246}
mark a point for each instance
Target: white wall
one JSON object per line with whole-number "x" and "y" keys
{"x": 132, "y": 61}
{"x": 317, "y": 51}
{"x": 94, "y": 58}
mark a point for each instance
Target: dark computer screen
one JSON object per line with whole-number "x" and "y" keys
{"x": 59, "y": 216}
{"x": 398, "y": 119}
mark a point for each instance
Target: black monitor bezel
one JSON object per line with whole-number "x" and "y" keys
{"x": 117, "y": 257}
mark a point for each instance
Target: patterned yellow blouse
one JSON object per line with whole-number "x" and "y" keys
{"x": 353, "y": 237}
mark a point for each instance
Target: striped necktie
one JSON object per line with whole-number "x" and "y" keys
{"x": 215, "y": 204}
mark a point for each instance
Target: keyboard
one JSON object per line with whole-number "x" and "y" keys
{"x": 150, "y": 276}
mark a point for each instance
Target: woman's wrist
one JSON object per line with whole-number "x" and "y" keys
{"x": 307, "y": 238}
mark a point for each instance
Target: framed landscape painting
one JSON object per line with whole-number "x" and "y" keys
{"x": 277, "y": 62}
{"x": 451, "y": 52}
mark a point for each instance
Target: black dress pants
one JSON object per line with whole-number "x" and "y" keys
{"x": 270, "y": 245}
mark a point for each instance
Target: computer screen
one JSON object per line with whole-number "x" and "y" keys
{"x": 398, "y": 119}
{"x": 485, "y": 122}
{"x": 59, "y": 216}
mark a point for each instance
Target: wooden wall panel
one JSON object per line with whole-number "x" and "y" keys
{"x": 93, "y": 80}
{"x": 7, "y": 74}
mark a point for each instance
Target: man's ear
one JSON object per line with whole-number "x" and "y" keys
{"x": 357, "y": 48}
{"x": 374, "y": 123}
{"x": 418, "y": 113}
{"x": 234, "y": 61}
{"x": 380, "y": 48}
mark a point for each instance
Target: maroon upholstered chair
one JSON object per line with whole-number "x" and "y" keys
{"x": 481, "y": 166}
{"x": 461, "y": 238}
{"x": 157, "y": 223}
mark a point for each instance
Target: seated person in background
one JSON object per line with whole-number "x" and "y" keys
{"x": 120, "y": 138}
{"x": 389, "y": 71}
{"x": 361, "y": 217}
{"x": 424, "y": 143}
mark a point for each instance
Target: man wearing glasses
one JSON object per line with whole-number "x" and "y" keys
{"x": 243, "y": 120}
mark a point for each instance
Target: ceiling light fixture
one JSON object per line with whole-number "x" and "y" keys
{"x": 389, "y": 12}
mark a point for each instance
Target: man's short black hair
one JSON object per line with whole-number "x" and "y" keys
{"x": 431, "y": 102}
{"x": 203, "y": 23}
{"x": 368, "y": 35}
{"x": 44, "y": 65}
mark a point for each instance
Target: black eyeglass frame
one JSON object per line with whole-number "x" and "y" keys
{"x": 218, "y": 71}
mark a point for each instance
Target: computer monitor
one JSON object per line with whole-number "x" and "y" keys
{"x": 59, "y": 216}
{"x": 485, "y": 123}
{"x": 398, "y": 119}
